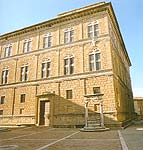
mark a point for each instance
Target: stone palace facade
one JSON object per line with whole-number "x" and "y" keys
{"x": 47, "y": 68}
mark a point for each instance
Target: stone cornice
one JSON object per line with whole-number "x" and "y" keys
{"x": 78, "y": 13}
{"x": 81, "y": 9}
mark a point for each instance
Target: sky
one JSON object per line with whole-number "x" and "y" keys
{"x": 17, "y": 14}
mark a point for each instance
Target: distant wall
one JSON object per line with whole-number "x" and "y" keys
{"x": 138, "y": 105}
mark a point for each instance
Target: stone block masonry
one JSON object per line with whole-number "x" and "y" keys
{"x": 46, "y": 69}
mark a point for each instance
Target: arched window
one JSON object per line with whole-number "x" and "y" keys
{"x": 94, "y": 61}
{"x": 69, "y": 65}
{"x": 8, "y": 50}
{"x": 93, "y": 29}
{"x": 69, "y": 35}
{"x": 47, "y": 40}
{"x": 4, "y": 79}
{"x": 27, "y": 45}
{"x": 46, "y": 69}
{"x": 24, "y": 73}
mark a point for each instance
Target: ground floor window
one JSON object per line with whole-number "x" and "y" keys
{"x": 1, "y": 112}
{"x": 2, "y": 99}
{"x": 21, "y": 110}
{"x": 96, "y": 90}
{"x": 22, "y": 98}
{"x": 68, "y": 94}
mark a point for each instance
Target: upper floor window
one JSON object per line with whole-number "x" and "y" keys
{"x": 22, "y": 98}
{"x": 94, "y": 61}
{"x": 47, "y": 41}
{"x": 2, "y": 100}
{"x": 8, "y": 51}
{"x": 27, "y": 45}
{"x": 69, "y": 65}
{"x": 24, "y": 73}
{"x": 46, "y": 67}
{"x": 68, "y": 94}
{"x": 69, "y": 35}
{"x": 4, "y": 79}
{"x": 93, "y": 30}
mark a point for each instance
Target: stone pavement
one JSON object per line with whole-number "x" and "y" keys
{"x": 133, "y": 137}
{"x": 3, "y": 129}
{"x": 44, "y": 138}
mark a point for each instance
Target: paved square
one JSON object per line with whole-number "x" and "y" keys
{"x": 133, "y": 137}
{"x": 44, "y": 138}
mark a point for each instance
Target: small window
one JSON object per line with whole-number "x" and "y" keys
{"x": 2, "y": 100}
{"x": 95, "y": 107}
{"x": 22, "y": 98}
{"x": 1, "y": 112}
{"x": 21, "y": 110}
{"x": 68, "y": 94}
{"x": 96, "y": 90}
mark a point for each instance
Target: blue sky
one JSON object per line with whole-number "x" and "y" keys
{"x": 17, "y": 14}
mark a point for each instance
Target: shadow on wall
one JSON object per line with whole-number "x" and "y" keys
{"x": 70, "y": 113}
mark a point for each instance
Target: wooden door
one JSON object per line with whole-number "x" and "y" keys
{"x": 44, "y": 113}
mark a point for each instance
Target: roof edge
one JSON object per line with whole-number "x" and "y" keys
{"x": 53, "y": 20}
{"x": 81, "y": 9}
{"x": 118, "y": 29}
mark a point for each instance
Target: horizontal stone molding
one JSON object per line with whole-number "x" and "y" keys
{"x": 80, "y": 76}
{"x": 54, "y": 48}
{"x": 11, "y": 116}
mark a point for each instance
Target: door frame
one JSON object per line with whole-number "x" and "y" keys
{"x": 46, "y": 98}
{"x": 43, "y": 114}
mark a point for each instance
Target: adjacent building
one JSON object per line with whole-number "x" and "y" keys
{"x": 46, "y": 69}
{"x": 138, "y": 106}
